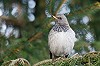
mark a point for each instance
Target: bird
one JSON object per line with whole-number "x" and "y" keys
{"x": 61, "y": 38}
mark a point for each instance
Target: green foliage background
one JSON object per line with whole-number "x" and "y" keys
{"x": 37, "y": 49}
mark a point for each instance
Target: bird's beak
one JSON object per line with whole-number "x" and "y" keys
{"x": 54, "y": 17}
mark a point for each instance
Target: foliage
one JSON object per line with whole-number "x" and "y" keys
{"x": 32, "y": 45}
{"x": 17, "y": 62}
{"x": 88, "y": 59}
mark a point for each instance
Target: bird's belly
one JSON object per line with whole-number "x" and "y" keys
{"x": 60, "y": 43}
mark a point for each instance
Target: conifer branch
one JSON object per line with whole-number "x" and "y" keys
{"x": 17, "y": 62}
{"x": 43, "y": 62}
{"x": 86, "y": 10}
{"x": 36, "y": 36}
{"x": 59, "y": 6}
{"x": 76, "y": 59}
{"x": 50, "y": 6}
{"x": 17, "y": 21}
{"x": 12, "y": 21}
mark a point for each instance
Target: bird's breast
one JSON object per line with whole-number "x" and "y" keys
{"x": 61, "y": 42}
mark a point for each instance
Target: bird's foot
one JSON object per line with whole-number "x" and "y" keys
{"x": 60, "y": 58}
{"x": 76, "y": 55}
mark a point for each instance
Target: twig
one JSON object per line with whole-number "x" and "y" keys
{"x": 36, "y": 36}
{"x": 60, "y": 6}
{"x": 17, "y": 21}
{"x": 9, "y": 20}
{"x": 43, "y": 62}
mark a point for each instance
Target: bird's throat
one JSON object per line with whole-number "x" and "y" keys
{"x": 60, "y": 28}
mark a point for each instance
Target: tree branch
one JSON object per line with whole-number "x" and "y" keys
{"x": 36, "y": 36}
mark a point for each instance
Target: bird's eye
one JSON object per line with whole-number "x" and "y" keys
{"x": 59, "y": 18}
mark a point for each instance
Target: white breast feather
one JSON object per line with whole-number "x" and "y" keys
{"x": 61, "y": 43}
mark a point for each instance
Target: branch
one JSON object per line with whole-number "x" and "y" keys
{"x": 60, "y": 6}
{"x": 76, "y": 59}
{"x": 36, "y": 36}
{"x": 10, "y": 20}
{"x": 18, "y": 21}
{"x": 43, "y": 62}
{"x": 86, "y": 10}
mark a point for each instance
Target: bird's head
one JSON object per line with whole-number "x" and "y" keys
{"x": 61, "y": 19}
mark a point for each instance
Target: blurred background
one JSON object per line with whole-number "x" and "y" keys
{"x": 25, "y": 24}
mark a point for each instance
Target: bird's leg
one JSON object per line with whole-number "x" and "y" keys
{"x": 50, "y": 54}
{"x": 66, "y": 56}
{"x": 63, "y": 57}
{"x": 53, "y": 59}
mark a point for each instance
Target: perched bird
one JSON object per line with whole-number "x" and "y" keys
{"x": 61, "y": 37}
